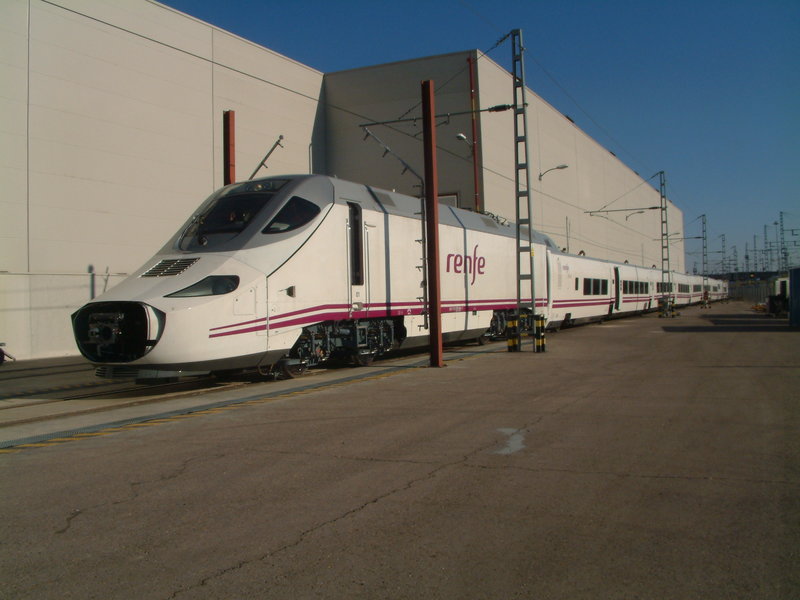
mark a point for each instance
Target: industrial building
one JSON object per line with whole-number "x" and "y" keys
{"x": 111, "y": 130}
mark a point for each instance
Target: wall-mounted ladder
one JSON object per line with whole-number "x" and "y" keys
{"x": 526, "y": 296}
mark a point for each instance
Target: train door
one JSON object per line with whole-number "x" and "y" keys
{"x": 549, "y": 291}
{"x": 358, "y": 288}
{"x": 617, "y": 289}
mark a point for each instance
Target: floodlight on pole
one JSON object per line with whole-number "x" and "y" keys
{"x": 553, "y": 169}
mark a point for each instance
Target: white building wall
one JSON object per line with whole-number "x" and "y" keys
{"x": 595, "y": 177}
{"x": 111, "y": 134}
{"x": 15, "y": 314}
{"x": 393, "y": 91}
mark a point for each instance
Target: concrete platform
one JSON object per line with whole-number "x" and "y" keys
{"x": 640, "y": 458}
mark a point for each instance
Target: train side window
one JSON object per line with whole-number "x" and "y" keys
{"x": 604, "y": 287}
{"x": 295, "y": 213}
{"x": 577, "y": 281}
{"x": 356, "y": 245}
{"x": 596, "y": 287}
{"x": 587, "y": 286}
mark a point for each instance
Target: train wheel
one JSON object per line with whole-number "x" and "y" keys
{"x": 363, "y": 360}
{"x": 290, "y": 371}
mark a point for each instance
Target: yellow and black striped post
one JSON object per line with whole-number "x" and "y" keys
{"x": 538, "y": 334}
{"x": 512, "y": 333}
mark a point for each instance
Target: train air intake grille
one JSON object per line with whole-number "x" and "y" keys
{"x": 169, "y": 267}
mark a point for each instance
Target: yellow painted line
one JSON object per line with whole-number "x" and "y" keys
{"x": 36, "y": 445}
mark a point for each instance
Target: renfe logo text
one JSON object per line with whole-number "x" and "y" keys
{"x": 463, "y": 263}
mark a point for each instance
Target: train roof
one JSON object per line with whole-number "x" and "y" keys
{"x": 394, "y": 203}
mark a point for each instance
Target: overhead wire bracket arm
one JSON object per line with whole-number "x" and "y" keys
{"x": 594, "y": 212}
{"x": 496, "y": 108}
{"x": 263, "y": 162}
{"x": 387, "y": 150}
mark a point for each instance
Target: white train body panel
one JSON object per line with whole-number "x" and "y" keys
{"x": 306, "y": 267}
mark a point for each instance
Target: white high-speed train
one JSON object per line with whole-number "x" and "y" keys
{"x": 281, "y": 273}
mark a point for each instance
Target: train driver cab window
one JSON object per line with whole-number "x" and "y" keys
{"x": 295, "y": 213}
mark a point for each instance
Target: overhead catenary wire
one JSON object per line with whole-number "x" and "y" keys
{"x": 460, "y": 71}
{"x": 633, "y": 189}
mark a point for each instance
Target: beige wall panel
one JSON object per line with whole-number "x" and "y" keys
{"x": 271, "y": 95}
{"x": 120, "y": 142}
{"x": 13, "y": 129}
{"x": 13, "y": 225}
{"x": 270, "y": 68}
{"x": 497, "y": 139}
{"x": 53, "y": 299}
{"x": 15, "y": 314}
{"x": 389, "y": 92}
{"x": 264, "y": 112}
{"x": 124, "y": 126}
{"x": 146, "y": 18}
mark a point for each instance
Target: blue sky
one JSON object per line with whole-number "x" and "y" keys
{"x": 706, "y": 90}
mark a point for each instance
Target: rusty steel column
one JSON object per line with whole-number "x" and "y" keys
{"x": 229, "y": 147}
{"x": 474, "y": 107}
{"x": 432, "y": 224}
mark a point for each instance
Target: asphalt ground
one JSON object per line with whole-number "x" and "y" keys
{"x": 640, "y": 458}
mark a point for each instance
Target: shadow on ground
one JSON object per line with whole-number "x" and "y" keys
{"x": 737, "y": 323}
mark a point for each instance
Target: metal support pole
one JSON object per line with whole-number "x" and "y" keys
{"x": 229, "y": 147}
{"x": 784, "y": 251}
{"x": 526, "y": 274}
{"x": 475, "y": 145}
{"x": 706, "y": 290}
{"x": 666, "y": 276}
{"x": 755, "y": 253}
{"x": 432, "y": 223}
{"x": 746, "y": 256}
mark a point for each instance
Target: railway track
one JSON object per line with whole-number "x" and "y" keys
{"x": 57, "y": 391}
{"x": 12, "y": 372}
{"x": 44, "y": 406}
{"x": 110, "y": 390}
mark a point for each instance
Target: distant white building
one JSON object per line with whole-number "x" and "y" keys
{"x": 111, "y": 134}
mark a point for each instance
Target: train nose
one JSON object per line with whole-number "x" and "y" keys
{"x": 117, "y": 332}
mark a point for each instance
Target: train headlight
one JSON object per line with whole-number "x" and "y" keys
{"x": 213, "y": 285}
